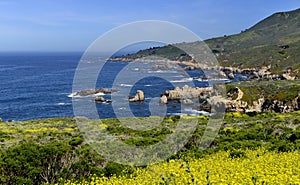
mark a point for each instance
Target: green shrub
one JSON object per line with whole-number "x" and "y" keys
{"x": 113, "y": 168}
{"x": 237, "y": 154}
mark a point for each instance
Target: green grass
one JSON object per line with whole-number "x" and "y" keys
{"x": 258, "y": 46}
{"x": 269, "y": 90}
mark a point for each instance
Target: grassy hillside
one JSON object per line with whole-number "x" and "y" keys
{"x": 274, "y": 40}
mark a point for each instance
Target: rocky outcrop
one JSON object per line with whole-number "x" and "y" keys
{"x": 243, "y": 106}
{"x": 163, "y": 99}
{"x": 281, "y": 106}
{"x": 231, "y": 75}
{"x": 162, "y": 66}
{"x": 186, "y": 93}
{"x": 89, "y": 92}
{"x": 212, "y": 104}
{"x": 139, "y": 96}
{"x": 187, "y": 101}
{"x": 264, "y": 73}
{"x": 262, "y": 104}
{"x": 256, "y": 106}
{"x": 287, "y": 76}
{"x": 100, "y": 99}
{"x": 235, "y": 102}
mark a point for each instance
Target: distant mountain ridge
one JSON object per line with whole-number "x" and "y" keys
{"x": 273, "y": 41}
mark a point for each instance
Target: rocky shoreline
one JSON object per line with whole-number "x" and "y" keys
{"x": 89, "y": 92}
{"x": 262, "y": 73}
{"x": 279, "y": 97}
{"x": 235, "y": 99}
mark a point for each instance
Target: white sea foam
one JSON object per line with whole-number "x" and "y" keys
{"x": 158, "y": 71}
{"x": 61, "y": 104}
{"x": 212, "y": 80}
{"x": 196, "y": 112}
{"x": 162, "y": 71}
{"x": 73, "y": 95}
{"x": 182, "y": 80}
{"x": 98, "y": 94}
{"x": 126, "y": 85}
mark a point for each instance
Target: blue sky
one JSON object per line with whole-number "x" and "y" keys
{"x": 72, "y": 25}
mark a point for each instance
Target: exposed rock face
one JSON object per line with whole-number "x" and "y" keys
{"x": 262, "y": 104}
{"x": 256, "y": 106}
{"x": 186, "y": 92}
{"x": 89, "y": 92}
{"x": 281, "y": 106}
{"x": 243, "y": 106}
{"x": 139, "y": 96}
{"x": 235, "y": 103}
{"x": 187, "y": 101}
{"x": 189, "y": 68}
{"x": 162, "y": 66}
{"x": 100, "y": 99}
{"x": 236, "y": 106}
{"x": 287, "y": 76}
{"x": 1, "y": 120}
{"x": 163, "y": 99}
{"x": 231, "y": 75}
{"x": 263, "y": 73}
{"x": 212, "y": 104}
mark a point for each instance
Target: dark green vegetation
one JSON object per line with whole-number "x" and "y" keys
{"x": 275, "y": 40}
{"x": 43, "y": 151}
{"x": 53, "y": 150}
{"x": 170, "y": 52}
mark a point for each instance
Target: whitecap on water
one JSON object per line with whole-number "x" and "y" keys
{"x": 98, "y": 94}
{"x": 126, "y": 85}
{"x": 196, "y": 112}
{"x": 73, "y": 95}
{"x": 182, "y": 80}
{"x": 61, "y": 104}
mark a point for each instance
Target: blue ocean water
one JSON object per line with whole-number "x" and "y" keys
{"x": 39, "y": 85}
{"x": 36, "y": 85}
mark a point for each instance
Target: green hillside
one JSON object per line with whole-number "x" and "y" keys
{"x": 274, "y": 40}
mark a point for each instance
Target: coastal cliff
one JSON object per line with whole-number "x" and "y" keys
{"x": 258, "y": 96}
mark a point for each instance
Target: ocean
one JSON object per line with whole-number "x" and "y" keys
{"x": 39, "y": 85}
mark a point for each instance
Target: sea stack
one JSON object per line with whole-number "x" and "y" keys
{"x": 139, "y": 96}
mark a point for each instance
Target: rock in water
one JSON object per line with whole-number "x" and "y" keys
{"x": 187, "y": 92}
{"x": 99, "y": 99}
{"x": 231, "y": 75}
{"x": 187, "y": 102}
{"x": 102, "y": 100}
{"x": 139, "y": 96}
{"x": 163, "y": 99}
{"x": 88, "y": 92}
